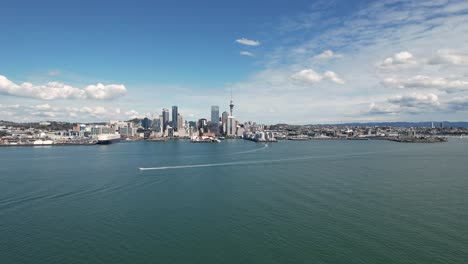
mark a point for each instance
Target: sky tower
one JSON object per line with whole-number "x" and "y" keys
{"x": 231, "y": 105}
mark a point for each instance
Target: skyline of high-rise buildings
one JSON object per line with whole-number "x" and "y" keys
{"x": 172, "y": 122}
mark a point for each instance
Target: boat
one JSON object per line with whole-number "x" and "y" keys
{"x": 108, "y": 139}
{"x": 204, "y": 139}
{"x": 43, "y": 142}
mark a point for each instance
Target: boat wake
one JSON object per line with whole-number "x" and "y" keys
{"x": 258, "y": 161}
{"x": 251, "y": 151}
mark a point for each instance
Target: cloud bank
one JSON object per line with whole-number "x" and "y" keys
{"x": 310, "y": 76}
{"x": 58, "y": 90}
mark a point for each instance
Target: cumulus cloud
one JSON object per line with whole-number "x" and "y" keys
{"x": 247, "y": 53}
{"x": 423, "y": 81}
{"x": 307, "y": 75}
{"x": 311, "y": 76}
{"x": 58, "y": 90}
{"x": 328, "y": 54}
{"x": 332, "y": 77}
{"x": 248, "y": 42}
{"x": 105, "y": 92}
{"x": 398, "y": 59}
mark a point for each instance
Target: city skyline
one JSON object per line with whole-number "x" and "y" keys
{"x": 300, "y": 63}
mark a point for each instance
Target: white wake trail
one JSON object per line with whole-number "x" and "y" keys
{"x": 259, "y": 161}
{"x": 251, "y": 151}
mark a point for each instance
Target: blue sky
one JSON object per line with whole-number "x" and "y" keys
{"x": 286, "y": 61}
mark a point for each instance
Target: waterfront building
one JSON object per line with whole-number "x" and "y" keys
{"x": 175, "y": 115}
{"x": 126, "y": 131}
{"x": 100, "y": 129}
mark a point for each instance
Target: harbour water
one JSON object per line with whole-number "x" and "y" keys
{"x": 235, "y": 202}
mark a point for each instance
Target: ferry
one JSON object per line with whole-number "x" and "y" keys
{"x": 204, "y": 139}
{"x": 108, "y": 139}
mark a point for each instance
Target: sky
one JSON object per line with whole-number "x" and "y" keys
{"x": 297, "y": 62}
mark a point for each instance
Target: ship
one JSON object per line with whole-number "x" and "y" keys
{"x": 108, "y": 139}
{"x": 204, "y": 139}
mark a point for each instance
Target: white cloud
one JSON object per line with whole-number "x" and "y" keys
{"x": 58, "y": 90}
{"x": 247, "y": 53}
{"x": 133, "y": 114}
{"x": 401, "y": 58}
{"x": 332, "y": 77}
{"x": 43, "y": 107}
{"x": 328, "y": 54}
{"x": 90, "y": 113}
{"x": 422, "y": 81}
{"x": 105, "y": 92}
{"x": 446, "y": 56}
{"x": 310, "y": 76}
{"x": 97, "y": 111}
{"x": 248, "y": 42}
{"x": 307, "y": 75}
{"x": 13, "y": 106}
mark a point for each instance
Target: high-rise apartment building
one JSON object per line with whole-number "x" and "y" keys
{"x": 175, "y": 112}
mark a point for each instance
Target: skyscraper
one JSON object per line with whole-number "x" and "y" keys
{"x": 180, "y": 122}
{"x": 146, "y": 123}
{"x": 165, "y": 114}
{"x": 231, "y": 127}
{"x": 224, "y": 117}
{"x": 175, "y": 113}
{"x": 215, "y": 114}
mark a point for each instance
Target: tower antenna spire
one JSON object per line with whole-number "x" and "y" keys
{"x": 231, "y": 105}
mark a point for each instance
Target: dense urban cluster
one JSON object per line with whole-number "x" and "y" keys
{"x": 171, "y": 125}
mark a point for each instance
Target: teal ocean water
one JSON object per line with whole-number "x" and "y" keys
{"x": 242, "y": 202}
